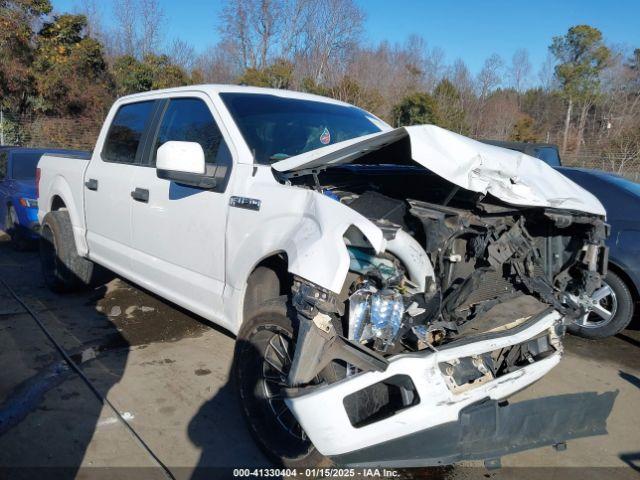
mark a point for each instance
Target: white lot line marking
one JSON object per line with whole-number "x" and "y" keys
{"x": 113, "y": 420}
{"x": 74, "y": 366}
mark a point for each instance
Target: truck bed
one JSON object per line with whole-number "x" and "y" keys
{"x": 62, "y": 176}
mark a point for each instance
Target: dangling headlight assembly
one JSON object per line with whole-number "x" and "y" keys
{"x": 375, "y": 315}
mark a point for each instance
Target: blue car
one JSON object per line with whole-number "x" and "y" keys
{"x": 18, "y": 198}
{"x": 616, "y": 300}
{"x": 614, "y": 304}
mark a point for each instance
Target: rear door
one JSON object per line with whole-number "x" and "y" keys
{"x": 179, "y": 231}
{"x": 107, "y": 186}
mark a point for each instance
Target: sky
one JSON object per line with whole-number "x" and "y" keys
{"x": 468, "y": 29}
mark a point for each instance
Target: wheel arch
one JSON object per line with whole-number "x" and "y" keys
{"x": 57, "y": 203}
{"x": 60, "y": 197}
{"x": 272, "y": 268}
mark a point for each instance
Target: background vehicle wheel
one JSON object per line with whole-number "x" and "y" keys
{"x": 264, "y": 349}
{"x": 18, "y": 242}
{"x": 63, "y": 269}
{"x": 612, "y": 310}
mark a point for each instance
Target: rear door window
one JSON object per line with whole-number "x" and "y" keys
{"x": 123, "y": 143}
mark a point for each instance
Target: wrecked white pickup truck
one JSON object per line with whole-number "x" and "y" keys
{"x": 389, "y": 289}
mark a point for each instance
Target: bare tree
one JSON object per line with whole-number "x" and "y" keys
{"x": 125, "y": 29}
{"x": 151, "y": 25}
{"x": 330, "y": 29}
{"x": 386, "y": 73}
{"x": 252, "y": 27}
{"x": 182, "y": 54}
{"x": 547, "y": 74}
{"x": 218, "y": 64}
{"x": 490, "y": 77}
{"x": 138, "y": 27}
{"x": 520, "y": 70}
{"x": 94, "y": 14}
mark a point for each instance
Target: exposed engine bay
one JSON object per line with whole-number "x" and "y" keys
{"x": 482, "y": 257}
{"x": 492, "y": 265}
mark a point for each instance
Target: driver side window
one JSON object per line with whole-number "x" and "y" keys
{"x": 190, "y": 120}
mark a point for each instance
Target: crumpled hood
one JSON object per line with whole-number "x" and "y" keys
{"x": 511, "y": 176}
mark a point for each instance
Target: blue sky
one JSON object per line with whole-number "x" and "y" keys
{"x": 467, "y": 29}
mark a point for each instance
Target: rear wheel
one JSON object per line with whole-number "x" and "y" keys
{"x": 611, "y": 312}
{"x": 63, "y": 269}
{"x": 263, "y": 354}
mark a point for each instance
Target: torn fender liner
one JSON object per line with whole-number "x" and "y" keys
{"x": 487, "y": 430}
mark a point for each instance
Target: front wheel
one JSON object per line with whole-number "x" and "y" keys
{"x": 611, "y": 312}
{"x": 263, "y": 355}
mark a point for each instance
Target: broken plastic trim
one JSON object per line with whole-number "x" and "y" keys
{"x": 318, "y": 343}
{"x": 491, "y": 429}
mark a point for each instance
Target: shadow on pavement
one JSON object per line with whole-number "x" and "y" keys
{"x": 48, "y": 414}
{"x": 236, "y": 448}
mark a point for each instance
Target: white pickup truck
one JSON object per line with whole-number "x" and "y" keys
{"x": 389, "y": 288}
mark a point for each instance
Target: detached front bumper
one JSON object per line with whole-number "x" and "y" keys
{"x": 443, "y": 423}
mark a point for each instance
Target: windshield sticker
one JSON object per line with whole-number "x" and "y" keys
{"x": 325, "y": 138}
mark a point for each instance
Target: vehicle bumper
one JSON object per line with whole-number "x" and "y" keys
{"x": 448, "y": 424}
{"x": 30, "y": 230}
{"x": 489, "y": 429}
{"x": 29, "y": 226}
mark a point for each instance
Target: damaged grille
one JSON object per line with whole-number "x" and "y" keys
{"x": 494, "y": 284}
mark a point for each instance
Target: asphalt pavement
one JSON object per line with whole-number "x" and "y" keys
{"x": 153, "y": 398}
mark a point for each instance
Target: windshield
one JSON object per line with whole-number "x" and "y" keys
{"x": 276, "y": 128}
{"x": 24, "y": 165}
{"x": 548, "y": 155}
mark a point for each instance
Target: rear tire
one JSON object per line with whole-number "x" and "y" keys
{"x": 621, "y": 305}
{"x": 266, "y": 341}
{"x": 63, "y": 269}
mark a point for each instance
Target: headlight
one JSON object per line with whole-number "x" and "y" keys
{"x": 29, "y": 202}
{"x": 375, "y": 315}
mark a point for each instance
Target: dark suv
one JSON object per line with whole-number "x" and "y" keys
{"x": 613, "y": 305}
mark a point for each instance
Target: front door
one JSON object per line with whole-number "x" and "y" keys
{"x": 107, "y": 187}
{"x": 178, "y": 232}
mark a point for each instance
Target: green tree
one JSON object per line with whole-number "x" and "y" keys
{"x": 70, "y": 70}
{"x": 17, "y": 18}
{"x": 415, "y": 109}
{"x": 154, "y": 71}
{"x": 277, "y": 75}
{"x": 450, "y": 113}
{"x": 524, "y": 130}
{"x": 350, "y": 91}
{"x": 582, "y": 56}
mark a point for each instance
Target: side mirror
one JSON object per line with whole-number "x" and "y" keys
{"x": 183, "y": 162}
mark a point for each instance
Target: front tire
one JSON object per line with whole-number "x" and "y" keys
{"x": 613, "y": 310}
{"x": 63, "y": 269}
{"x": 263, "y": 354}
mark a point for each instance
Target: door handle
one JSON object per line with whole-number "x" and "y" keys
{"x": 140, "y": 195}
{"x": 91, "y": 184}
